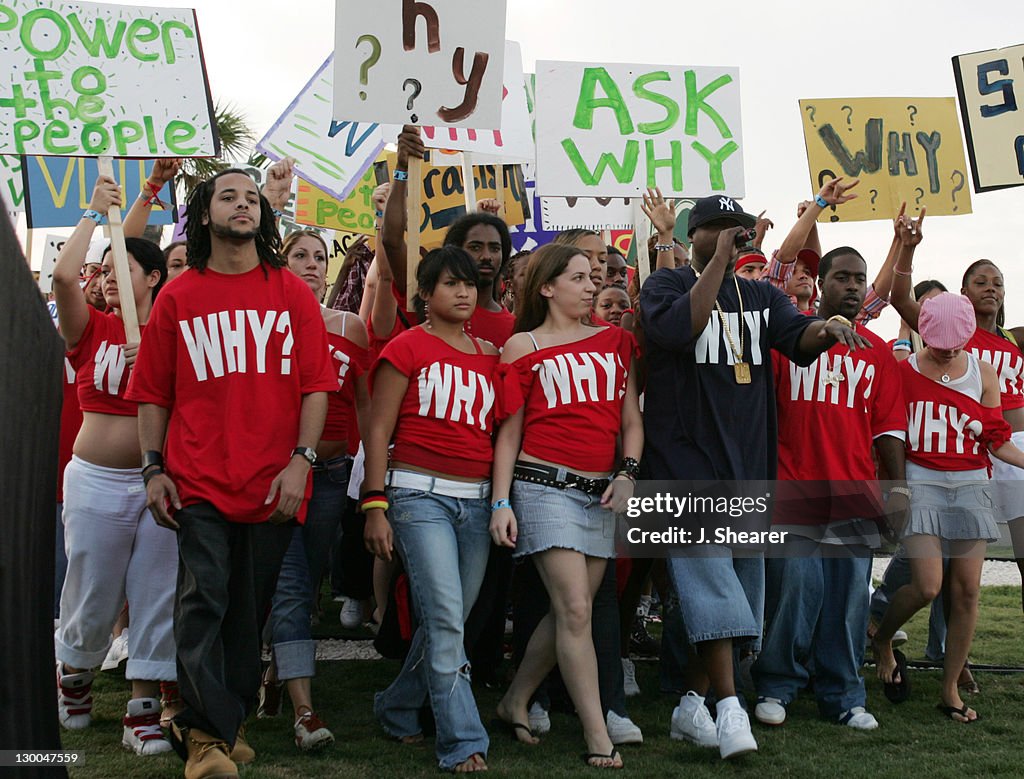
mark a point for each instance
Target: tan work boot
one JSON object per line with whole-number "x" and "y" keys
{"x": 242, "y": 753}
{"x": 207, "y": 756}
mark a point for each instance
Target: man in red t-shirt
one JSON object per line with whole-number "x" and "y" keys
{"x": 830, "y": 415}
{"x": 233, "y": 373}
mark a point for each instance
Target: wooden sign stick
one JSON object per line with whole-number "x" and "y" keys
{"x": 413, "y": 216}
{"x": 122, "y": 273}
{"x": 468, "y": 182}
{"x": 641, "y": 232}
{"x": 499, "y": 187}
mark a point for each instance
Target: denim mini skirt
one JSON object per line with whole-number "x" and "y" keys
{"x": 553, "y": 518}
{"x": 961, "y": 512}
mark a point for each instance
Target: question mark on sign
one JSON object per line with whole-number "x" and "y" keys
{"x": 364, "y": 69}
{"x": 958, "y": 187}
{"x": 849, "y": 116}
{"x": 417, "y": 87}
{"x": 917, "y": 200}
{"x": 913, "y": 113}
{"x": 828, "y": 174}
{"x": 810, "y": 112}
{"x": 874, "y": 197}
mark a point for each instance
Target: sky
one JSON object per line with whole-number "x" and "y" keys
{"x": 259, "y": 54}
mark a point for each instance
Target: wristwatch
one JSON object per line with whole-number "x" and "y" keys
{"x": 305, "y": 451}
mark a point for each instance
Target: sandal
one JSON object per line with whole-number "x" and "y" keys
{"x": 898, "y": 692}
{"x": 950, "y": 712}
{"x": 613, "y": 756}
{"x": 513, "y": 729}
{"x": 969, "y": 687}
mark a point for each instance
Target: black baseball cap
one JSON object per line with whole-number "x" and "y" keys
{"x": 708, "y": 209}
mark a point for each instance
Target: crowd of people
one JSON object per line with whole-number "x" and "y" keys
{"x": 478, "y": 447}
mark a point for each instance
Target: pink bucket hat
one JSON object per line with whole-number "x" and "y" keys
{"x": 947, "y": 321}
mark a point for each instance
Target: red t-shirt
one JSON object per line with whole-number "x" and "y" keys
{"x": 377, "y": 343}
{"x": 70, "y": 424}
{"x": 231, "y": 356}
{"x": 830, "y": 412}
{"x": 98, "y": 359}
{"x": 446, "y": 419}
{"x": 1008, "y": 360}
{"x": 573, "y": 395}
{"x": 349, "y": 363}
{"x": 493, "y": 326}
{"x": 946, "y": 429}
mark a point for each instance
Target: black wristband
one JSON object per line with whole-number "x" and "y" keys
{"x": 629, "y": 467}
{"x": 154, "y": 470}
{"x": 373, "y": 494}
{"x": 152, "y": 457}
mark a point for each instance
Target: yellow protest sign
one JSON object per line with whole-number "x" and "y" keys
{"x": 901, "y": 148}
{"x": 355, "y": 214}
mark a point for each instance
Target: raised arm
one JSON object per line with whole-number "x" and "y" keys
{"x": 662, "y": 214}
{"x": 832, "y": 193}
{"x": 909, "y": 234}
{"x": 137, "y": 218}
{"x": 278, "y": 186}
{"x": 392, "y": 234}
{"x": 761, "y": 228}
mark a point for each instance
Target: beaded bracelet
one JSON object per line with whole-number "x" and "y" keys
{"x": 663, "y": 247}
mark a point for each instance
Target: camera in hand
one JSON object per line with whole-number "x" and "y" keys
{"x": 745, "y": 237}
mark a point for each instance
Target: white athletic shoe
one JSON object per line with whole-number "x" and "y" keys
{"x": 629, "y": 678}
{"x": 117, "y": 653}
{"x": 142, "y": 732}
{"x": 74, "y": 698}
{"x": 351, "y": 613}
{"x": 311, "y": 733}
{"x": 858, "y": 718}
{"x": 691, "y": 721}
{"x": 540, "y": 720}
{"x": 734, "y": 736}
{"x": 770, "y": 711}
{"x": 622, "y": 730}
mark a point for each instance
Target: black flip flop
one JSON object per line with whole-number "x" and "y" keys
{"x": 513, "y": 728}
{"x": 597, "y": 755}
{"x": 949, "y": 711}
{"x": 898, "y": 692}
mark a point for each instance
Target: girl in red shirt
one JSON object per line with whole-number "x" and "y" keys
{"x": 433, "y": 399}
{"x": 115, "y": 550}
{"x": 303, "y": 565}
{"x": 564, "y": 381}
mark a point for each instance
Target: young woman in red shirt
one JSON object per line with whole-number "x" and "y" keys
{"x": 115, "y": 550}
{"x": 304, "y": 563}
{"x": 433, "y": 399}
{"x": 563, "y": 380}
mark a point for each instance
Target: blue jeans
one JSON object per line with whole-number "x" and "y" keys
{"x": 897, "y": 573}
{"x": 816, "y": 614}
{"x": 444, "y": 543}
{"x": 303, "y": 565}
{"x": 719, "y": 596}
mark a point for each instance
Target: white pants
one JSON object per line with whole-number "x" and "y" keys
{"x": 1009, "y": 483}
{"x": 115, "y": 552}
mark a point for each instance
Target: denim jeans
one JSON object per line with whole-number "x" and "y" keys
{"x": 298, "y": 584}
{"x": 816, "y": 614}
{"x": 444, "y": 543}
{"x": 897, "y": 573}
{"x": 719, "y": 596}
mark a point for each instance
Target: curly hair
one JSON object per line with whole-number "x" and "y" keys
{"x": 198, "y": 243}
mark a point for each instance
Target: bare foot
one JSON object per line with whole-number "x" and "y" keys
{"x": 471, "y": 765}
{"x": 514, "y": 717}
{"x": 605, "y": 760}
{"x": 885, "y": 661}
{"x": 966, "y": 683}
{"x": 408, "y": 740}
{"x": 957, "y": 716}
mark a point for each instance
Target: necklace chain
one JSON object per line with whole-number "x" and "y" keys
{"x": 737, "y": 354}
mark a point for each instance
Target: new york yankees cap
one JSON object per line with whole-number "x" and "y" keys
{"x": 708, "y": 209}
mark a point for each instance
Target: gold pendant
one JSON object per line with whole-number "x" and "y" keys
{"x": 742, "y": 371}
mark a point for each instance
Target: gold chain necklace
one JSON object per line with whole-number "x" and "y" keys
{"x": 740, "y": 368}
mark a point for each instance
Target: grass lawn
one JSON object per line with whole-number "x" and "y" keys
{"x": 913, "y": 740}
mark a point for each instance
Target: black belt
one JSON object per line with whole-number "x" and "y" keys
{"x": 560, "y": 478}
{"x": 333, "y": 464}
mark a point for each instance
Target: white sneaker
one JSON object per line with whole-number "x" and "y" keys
{"x": 770, "y": 711}
{"x": 351, "y": 613}
{"x": 74, "y": 698}
{"x": 622, "y": 730}
{"x": 540, "y": 721}
{"x": 734, "y": 736}
{"x": 858, "y": 718}
{"x": 142, "y": 732}
{"x": 691, "y": 721}
{"x": 629, "y": 678}
{"x": 311, "y": 733}
{"x": 117, "y": 653}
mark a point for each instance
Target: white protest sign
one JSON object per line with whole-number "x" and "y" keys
{"x": 12, "y": 187}
{"x": 88, "y": 79}
{"x": 334, "y": 155}
{"x": 601, "y": 213}
{"x": 615, "y": 130}
{"x": 52, "y": 247}
{"x": 419, "y": 62}
{"x": 513, "y": 142}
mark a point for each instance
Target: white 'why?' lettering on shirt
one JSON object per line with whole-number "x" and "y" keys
{"x": 457, "y": 394}
{"x": 813, "y": 381}
{"x": 1008, "y": 366}
{"x": 714, "y": 341}
{"x": 109, "y": 369}
{"x": 931, "y": 425}
{"x": 343, "y": 361}
{"x": 217, "y": 345}
{"x": 579, "y": 378}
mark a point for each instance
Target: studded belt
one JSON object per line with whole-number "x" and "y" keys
{"x": 560, "y": 478}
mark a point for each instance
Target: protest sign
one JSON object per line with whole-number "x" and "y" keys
{"x": 57, "y": 190}
{"x": 615, "y": 130}
{"x": 11, "y": 186}
{"x": 334, "y": 155}
{"x": 514, "y": 141}
{"x": 52, "y": 247}
{"x": 355, "y": 214}
{"x": 87, "y": 79}
{"x": 418, "y": 62}
{"x": 903, "y": 149}
{"x": 989, "y": 84}
{"x": 591, "y": 213}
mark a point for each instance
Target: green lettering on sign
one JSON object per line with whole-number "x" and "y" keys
{"x": 715, "y": 160}
{"x": 623, "y": 171}
{"x": 696, "y": 101}
{"x": 588, "y": 101}
{"x": 671, "y": 106}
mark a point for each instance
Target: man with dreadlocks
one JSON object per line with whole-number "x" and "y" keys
{"x": 233, "y": 373}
